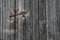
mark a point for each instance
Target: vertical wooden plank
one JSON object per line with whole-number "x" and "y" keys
{"x": 42, "y": 20}
{"x": 52, "y": 9}
{"x": 35, "y": 18}
{"x": 50, "y": 18}
{"x": 5, "y": 16}
{"x": 26, "y": 7}
{"x": 31, "y": 19}
{"x": 0, "y": 19}
{"x": 21, "y": 22}
{"x": 57, "y": 18}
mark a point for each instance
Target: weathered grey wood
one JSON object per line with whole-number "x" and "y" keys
{"x": 53, "y": 11}
{"x": 43, "y": 23}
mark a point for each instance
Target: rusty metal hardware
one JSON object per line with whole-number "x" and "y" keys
{"x": 21, "y": 13}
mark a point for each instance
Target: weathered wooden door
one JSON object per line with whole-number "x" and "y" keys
{"x": 43, "y": 22}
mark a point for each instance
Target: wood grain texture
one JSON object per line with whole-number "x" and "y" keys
{"x": 42, "y": 24}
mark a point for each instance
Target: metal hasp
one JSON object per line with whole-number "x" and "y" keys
{"x": 22, "y": 12}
